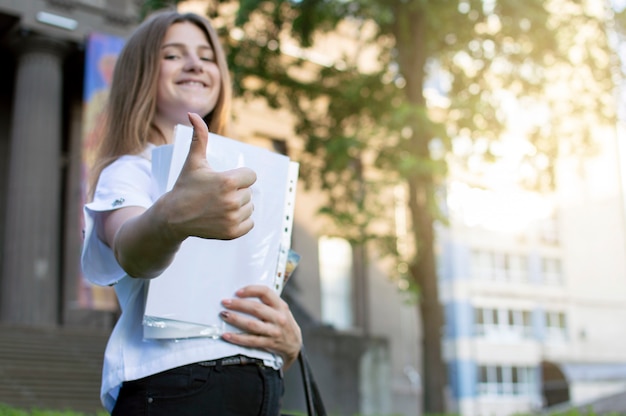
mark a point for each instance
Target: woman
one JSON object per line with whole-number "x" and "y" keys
{"x": 173, "y": 71}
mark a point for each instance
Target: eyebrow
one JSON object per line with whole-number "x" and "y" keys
{"x": 180, "y": 45}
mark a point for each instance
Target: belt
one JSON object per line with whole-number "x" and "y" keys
{"x": 234, "y": 360}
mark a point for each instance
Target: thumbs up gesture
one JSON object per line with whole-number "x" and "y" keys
{"x": 208, "y": 204}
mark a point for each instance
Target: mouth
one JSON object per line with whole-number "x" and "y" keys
{"x": 192, "y": 83}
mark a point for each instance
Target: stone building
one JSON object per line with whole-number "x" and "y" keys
{"x": 42, "y": 75}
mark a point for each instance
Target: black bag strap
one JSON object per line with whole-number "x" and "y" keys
{"x": 314, "y": 404}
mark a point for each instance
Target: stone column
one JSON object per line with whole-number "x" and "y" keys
{"x": 32, "y": 245}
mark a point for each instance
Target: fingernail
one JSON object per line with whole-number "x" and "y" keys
{"x": 224, "y": 314}
{"x": 227, "y": 336}
{"x": 227, "y": 302}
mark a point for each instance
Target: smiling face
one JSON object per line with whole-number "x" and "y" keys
{"x": 189, "y": 78}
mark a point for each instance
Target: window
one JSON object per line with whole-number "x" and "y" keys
{"x": 500, "y": 266}
{"x": 504, "y": 267}
{"x": 486, "y": 321}
{"x": 517, "y": 267}
{"x": 502, "y": 323}
{"x": 520, "y": 322}
{"x": 556, "y": 326}
{"x": 523, "y": 379}
{"x": 482, "y": 264}
{"x": 335, "y": 259}
{"x": 507, "y": 380}
{"x": 487, "y": 385}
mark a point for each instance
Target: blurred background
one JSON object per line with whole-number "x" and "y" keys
{"x": 460, "y": 212}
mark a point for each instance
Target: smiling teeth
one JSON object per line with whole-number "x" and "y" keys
{"x": 192, "y": 83}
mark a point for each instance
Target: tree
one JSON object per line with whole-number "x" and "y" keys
{"x": 368, "y": 129}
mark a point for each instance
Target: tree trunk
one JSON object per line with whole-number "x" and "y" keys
{"x": 424, "y": 272}
{"x": 409, "y": 30}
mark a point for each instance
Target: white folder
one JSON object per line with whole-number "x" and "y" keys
{"x": 185, "y": 300}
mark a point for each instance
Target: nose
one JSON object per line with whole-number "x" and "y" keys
{"x": 194, "y": 63}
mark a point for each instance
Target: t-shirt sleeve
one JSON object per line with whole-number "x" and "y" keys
{"x": 126, "y": 182}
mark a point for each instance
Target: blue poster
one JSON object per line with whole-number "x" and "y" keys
{"x": 100, "y": 56}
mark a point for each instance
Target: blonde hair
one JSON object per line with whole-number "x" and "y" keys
{"x": 131, "y": 107}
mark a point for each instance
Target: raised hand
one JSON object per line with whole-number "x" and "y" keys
{"x": 208, "y": 204}
{"x": 202, "y": 203}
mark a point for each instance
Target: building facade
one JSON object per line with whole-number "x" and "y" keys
{"x": 534, "y": 289}
{"x": 42, "y": 79}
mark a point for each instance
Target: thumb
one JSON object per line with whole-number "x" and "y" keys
{"x": 199, "y": 141}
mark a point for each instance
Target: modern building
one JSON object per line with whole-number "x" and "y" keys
{"x": 534, "y": 289}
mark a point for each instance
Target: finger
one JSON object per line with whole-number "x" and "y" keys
{"x": 264, "y": 293}
{"x": 251, "y": 326}
{"x": 244, "y": 227}
{"x": 251, "y": 307}
{"x": 249, "y": 340}
{"x": 243, "y": 215}
{"x": 241, "y": 177}
{"x": 199, "y": 141}
{"x": 244, "y": 196}
{"x": 246, "y": 212}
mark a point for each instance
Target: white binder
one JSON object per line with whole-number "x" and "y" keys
{"x": 185, "y": 300}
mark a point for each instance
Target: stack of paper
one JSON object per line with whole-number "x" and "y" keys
{"x": 185, "y": 300}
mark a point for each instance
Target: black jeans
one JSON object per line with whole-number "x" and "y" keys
{"x": 194, "y": 390}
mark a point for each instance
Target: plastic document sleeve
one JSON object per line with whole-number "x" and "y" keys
{"x": 185, "y": 300}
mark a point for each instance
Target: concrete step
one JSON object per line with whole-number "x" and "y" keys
{"x": 51, "y": 368}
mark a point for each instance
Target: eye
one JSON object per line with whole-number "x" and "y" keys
{"x": 207, "y": 58}
{"x": 171, "y": 56}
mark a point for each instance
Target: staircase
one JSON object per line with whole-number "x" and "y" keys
{"x": 55, "y": 369}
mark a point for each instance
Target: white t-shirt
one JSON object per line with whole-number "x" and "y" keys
{"x": 128, "y": 356}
